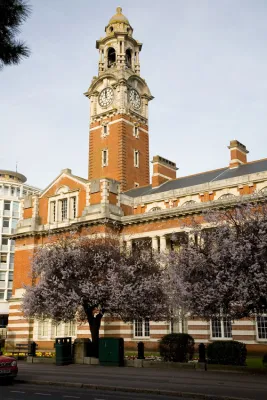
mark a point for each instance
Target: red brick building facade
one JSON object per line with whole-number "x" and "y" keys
{"x": 118, "y": 194}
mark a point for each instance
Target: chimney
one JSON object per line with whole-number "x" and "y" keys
{"x": 238, "y": 154}
{"x": 163, "y": 171}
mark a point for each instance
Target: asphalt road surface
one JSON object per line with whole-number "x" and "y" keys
{"x": 42, "y": 392}
{"x": 217, "y": 384}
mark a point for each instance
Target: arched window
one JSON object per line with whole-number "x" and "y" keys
{"x": 128, "y": 58}
{"x": 264, "y": 191}
{"x": 111, "y": 57}
{"x": 226, "y": 196}
{"x": 188, "y": 203}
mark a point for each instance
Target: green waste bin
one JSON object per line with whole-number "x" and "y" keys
{"x": 111, "y": 351}
{"x": 63, "y": 351}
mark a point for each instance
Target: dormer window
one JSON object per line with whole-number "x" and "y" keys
{"x": 63, "y": 207}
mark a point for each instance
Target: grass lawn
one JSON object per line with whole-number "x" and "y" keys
{"x": 254, "y": 362}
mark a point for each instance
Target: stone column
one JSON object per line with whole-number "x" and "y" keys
{"x": 129, "y": 245}
{"x": 163, "y": 244}
{"x": 155, "y": 245}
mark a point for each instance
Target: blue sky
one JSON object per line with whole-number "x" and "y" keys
{"x": 205, "y": 62}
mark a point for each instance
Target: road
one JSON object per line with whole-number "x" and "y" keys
{"x": 40, "y": 392}
{"x": 218, "y": 384}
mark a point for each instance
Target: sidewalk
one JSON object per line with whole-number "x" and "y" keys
{"x": 180, "y": 382}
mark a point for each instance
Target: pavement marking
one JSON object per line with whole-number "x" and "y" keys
{"x": 16, "y": 391}
{"x": 43, "y": 394}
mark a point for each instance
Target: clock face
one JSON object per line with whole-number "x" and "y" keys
{"x": 134, "y": 99}
{"x": 106, "y": 97}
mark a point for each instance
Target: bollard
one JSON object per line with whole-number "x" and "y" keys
{"x": 141, "y": 351}
{"x": 32, "y": 349}
{"x": 201, "y": 353}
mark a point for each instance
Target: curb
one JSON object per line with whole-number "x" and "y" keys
{"x": 200, "y": 396}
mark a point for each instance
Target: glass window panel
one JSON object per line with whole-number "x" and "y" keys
{"x": 15, "y": 206}
{"x": 2, "y": 276}
{"x": 2, "y": 294}
{"x": 7, "y": 205}
{"x": 64, "y": 209}
{"x": 262, "y": 326}
{"x": 5, "y": 222}
{"x": 9, "y": 294}
{"x": 14, "y": 223}
{"x": 3, "y": 258}
{"x": 216, "y": 327}
{"x": 227, "y": 327}
{"x": 147, "y": 328}
{"x": 4, "y": 241}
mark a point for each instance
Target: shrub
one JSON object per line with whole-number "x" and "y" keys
{"x": 178, "y": 347}
{"x": 264, "y": 360}
{"x": 227, "y": 353}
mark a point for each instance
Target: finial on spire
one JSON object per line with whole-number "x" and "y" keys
{"x": 119, "y": 10}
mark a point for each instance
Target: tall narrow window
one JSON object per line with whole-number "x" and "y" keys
{"x": 104, "y": 158}
{"x": 43, "y": 329}
{"x": 64, "y": 209}
{"x": 262, "y": 326}
{"x": 136, "y": 132}
{"x": 136, "y": 158}
{"x": 141, "y": 328}
{"x": 73, "y": 207}
{"x": 53, "y": 211}
{"x": 104, "y": 130}
{"x": 70, "y": 329}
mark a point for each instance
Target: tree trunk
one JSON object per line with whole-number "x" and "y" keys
{"x": 94, "y": 321}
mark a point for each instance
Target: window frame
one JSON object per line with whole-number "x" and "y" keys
{"x": 222, "y": 329}
{"x": 104, "y": 157}
{"x": 136, "y": 131}
{"x": 257, "y": 327}
{"x": 136, "y": 158}
{"x": 55, "y": 207}
{"x": 144, "y": 324}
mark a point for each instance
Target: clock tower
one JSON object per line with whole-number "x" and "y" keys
{"x": 118, "y": 140}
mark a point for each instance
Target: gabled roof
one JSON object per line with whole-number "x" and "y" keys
{"x": 64, "y": 172}
{"x": 201, "y": 178}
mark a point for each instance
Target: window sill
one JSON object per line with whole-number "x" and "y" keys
{"x": 221, "y": 338}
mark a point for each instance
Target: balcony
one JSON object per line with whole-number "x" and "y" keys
{"x": 6, "y": 213}
{"x": 5, "y": 229}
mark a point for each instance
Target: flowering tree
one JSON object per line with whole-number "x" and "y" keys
{"x": 81, "y": 278}
{"x": 222, "y": 271}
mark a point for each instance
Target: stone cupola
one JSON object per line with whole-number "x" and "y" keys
{"x": 118, "y": 50}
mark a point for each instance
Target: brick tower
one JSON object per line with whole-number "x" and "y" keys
{"x": 119, "y": 140}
